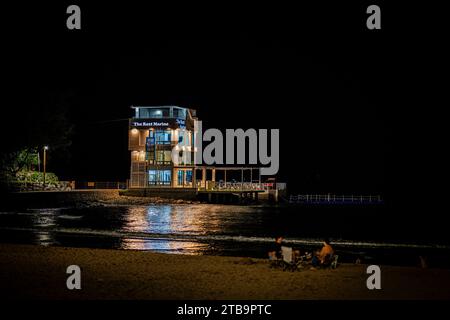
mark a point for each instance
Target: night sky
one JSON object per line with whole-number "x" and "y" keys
{"x": 316, "y": 73}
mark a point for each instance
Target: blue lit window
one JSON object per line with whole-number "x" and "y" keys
{"x": 188, "y": 176}
{"x": 159, "y": 177}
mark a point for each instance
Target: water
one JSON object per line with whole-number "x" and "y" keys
{"x": 368, "y": 233}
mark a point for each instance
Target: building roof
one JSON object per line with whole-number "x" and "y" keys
{"x": 158, "y": 107}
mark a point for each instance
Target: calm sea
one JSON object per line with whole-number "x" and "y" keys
{"x": 368, "y": 233}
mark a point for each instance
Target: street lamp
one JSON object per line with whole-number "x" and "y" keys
{"x": 39, "y": 161}
{"x": 45, "y": 162}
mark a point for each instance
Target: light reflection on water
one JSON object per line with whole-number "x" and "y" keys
{"x": 162, "y": 219}
{"x": 45, "y": 221}
{"x": 181, "y": 247}
{"x": 174, "y": 220}
{"x": 195, "y": 219}
{"x": 129, "y": 227}
{"x": 206, "y": 228}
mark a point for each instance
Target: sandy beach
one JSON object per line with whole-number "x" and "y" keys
{"x": 37, "y": 272}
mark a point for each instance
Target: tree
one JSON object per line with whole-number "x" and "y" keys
{"x": 13, "y": 162}
{"x": 45, "y": 122}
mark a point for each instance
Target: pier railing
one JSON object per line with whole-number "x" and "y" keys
{"x": 235, "y": 186}
{"x": 333, "y": 198}
{"x": 101, "y": 185}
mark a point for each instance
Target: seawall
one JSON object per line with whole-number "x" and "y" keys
{"x": 165, "y": 193}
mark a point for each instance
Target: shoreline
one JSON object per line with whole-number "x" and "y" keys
{"x": 37, "y": 272}
{"x": 85, "y": 198}
{"x": 82, "y": 199}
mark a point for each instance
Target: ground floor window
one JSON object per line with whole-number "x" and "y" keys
{"x": 189, "y": 176}
{"x": 180, "y": 177}
{"x": 184, "y": 177}
{"x": 159, "y": 177}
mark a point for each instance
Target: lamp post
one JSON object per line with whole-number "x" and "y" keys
{"x": 39, "y": 161}
{"x": 45, "y": 162}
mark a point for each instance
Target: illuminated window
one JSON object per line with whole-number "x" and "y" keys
{"x": 179, "y": 113}
{"x": 154, "y": 113}
{"x": 159, "y": 177}
{"x": 189, "y": 176}
{"x": 180, "y": 177}
{"x": 159, "y": 137}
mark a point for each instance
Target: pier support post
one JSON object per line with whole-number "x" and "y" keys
{"x": 203, "y": 177}
{"x": 174, "y": 179}
{"x": 225, "y": 178}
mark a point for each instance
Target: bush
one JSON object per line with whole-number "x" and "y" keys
{"x": 36, "y": 177}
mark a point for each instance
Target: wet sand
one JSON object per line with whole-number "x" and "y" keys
{"x": 36, "y": 272}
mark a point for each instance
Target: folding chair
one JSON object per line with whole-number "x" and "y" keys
{"x": 288, "y": 259}
{"x": 331, "y": 261}
{"x": 334, "y": 262}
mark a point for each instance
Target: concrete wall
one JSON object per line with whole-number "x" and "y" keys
{"x": 166, "y": 193}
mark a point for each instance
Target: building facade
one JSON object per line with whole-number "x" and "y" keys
{"x": 153, "y": 133}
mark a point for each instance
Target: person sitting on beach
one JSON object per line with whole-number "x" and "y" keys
{"x": 296, "y": 254}
{"x": 323, "y": 256}
{"x": 275, "y": 251}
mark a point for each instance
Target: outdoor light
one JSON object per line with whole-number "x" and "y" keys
{"x": 45, "y": 164}
{"x": 134, "y": 131}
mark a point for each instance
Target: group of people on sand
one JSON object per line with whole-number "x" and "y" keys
{"x": 317, "y": 259}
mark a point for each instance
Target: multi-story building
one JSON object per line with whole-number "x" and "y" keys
{"x": 153, "y": 133}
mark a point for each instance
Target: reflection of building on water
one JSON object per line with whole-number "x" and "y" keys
{"x": 165, "y": 245}
{"x": 155, "y": 131}
{"x": 162, "y": 220}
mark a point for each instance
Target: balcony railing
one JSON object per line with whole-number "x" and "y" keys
{"x": 231, "y": 186}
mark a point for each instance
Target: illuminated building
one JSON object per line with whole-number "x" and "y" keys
{"x": 153, "y": 133}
